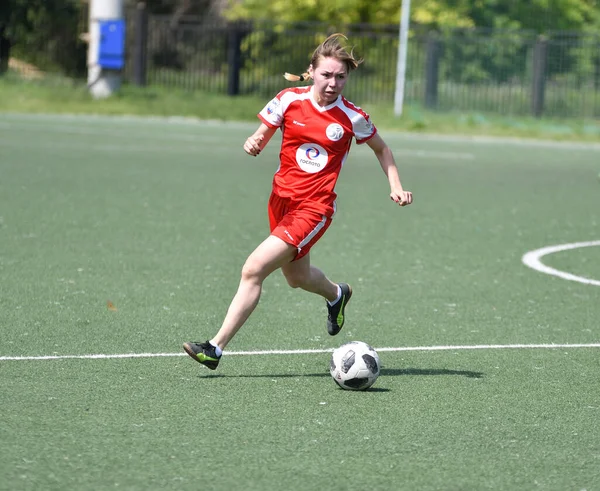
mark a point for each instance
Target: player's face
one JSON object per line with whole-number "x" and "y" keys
{"x": 329, "y": 78}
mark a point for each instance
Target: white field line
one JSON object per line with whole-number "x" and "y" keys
{"x": 108, "y": 132}
{"x": 250, "y": 126}
{"x": 532, "y": 259}
{"x": 170, "y": 147}
{"x": 502, "y": 140}
{"x": 430, "y": 154}
{"x": 173, "y": 144}
{"x": 306, "y": 351}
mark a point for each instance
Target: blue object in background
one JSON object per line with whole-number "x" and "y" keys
{"x": 111, "y": 48}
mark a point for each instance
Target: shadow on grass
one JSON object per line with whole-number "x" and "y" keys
{"x": 386, "y": 372}
{"x": 430, "y": 371}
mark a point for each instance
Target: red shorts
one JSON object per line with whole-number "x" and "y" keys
{"x": 294, "y": 225}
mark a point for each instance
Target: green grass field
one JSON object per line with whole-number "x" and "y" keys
{"x": 157, "y": 217}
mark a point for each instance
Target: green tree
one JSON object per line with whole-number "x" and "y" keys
{"x": 331, "y": 11}
{"x": 45, "y": 32}
{"x": 539, "y": 15}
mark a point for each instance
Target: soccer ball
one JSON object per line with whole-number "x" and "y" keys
{"x": 354, "y": 366}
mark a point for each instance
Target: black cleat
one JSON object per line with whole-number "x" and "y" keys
{"x": 335, "y": 317}
{"x": 203, "y": 353}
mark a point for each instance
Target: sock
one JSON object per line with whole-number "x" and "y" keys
{"x": 218, "y": 351}
{"x": 339, "y": 295}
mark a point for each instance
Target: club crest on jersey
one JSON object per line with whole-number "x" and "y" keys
{"x": 334, "y": 132}
{"x": 311, "y": 157}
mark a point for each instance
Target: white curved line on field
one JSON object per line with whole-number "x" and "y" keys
{"x": 306, "y": 351}
{"x": 532, "y": 260}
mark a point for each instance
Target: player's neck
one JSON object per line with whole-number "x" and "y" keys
{"x": 322, "y": 102}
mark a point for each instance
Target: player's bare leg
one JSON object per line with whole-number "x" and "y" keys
{"x": 301, "y": 274}
{"x": 270, "y": 255}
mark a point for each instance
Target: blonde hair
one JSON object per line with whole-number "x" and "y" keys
{"x": 330, "y": 48}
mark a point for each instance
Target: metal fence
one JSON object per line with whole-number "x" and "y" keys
{"x": 474, "y": 70}
{"x": 505, "y": 72}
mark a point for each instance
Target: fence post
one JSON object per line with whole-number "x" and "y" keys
{"x": 597, "y": 69}
{"x": 4, "y": 50}
{"x": 540, "y": 55}
{"x": 234, "y": 59}
{"x": 432, "y": 67}
{"x": 140, "y": 45}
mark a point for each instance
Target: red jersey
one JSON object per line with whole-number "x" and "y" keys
{"x": 315, "y": 144}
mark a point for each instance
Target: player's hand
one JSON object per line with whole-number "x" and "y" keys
{"x": 252, "y": 145}
{"x": 403, "y": 198}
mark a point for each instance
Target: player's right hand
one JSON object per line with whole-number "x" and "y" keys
{"x": 401, "y": 197}
{"x": 252, "y": 145}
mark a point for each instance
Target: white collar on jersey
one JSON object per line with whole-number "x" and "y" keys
{"x": 322, "y": 108}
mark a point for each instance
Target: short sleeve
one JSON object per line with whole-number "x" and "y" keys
{"x": 363, "y": 127}
{"x": 272, "y": 113}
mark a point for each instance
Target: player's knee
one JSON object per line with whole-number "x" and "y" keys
{"x": 252, "y": 271}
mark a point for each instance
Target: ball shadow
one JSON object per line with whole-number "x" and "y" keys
{"x": 387, "y": 372}
{"x": 394, "y": 372}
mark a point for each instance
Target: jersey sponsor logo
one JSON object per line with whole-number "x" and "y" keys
{"x": 313, "y": 153}
{"x": 299, "y": 123}
{"x": 312, "y": 157}
{"x": 334, "y": 132}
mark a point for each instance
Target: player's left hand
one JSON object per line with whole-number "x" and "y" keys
{"x": 403, "y": 198}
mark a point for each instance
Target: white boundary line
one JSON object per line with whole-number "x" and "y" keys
{"x": 431, "y": 154}
{"x": 532, "y": 260}
{"x": 182, "y": 120}
{"x": 307, "y": 351}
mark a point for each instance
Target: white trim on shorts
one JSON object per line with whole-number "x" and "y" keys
{"x": 314, "y": 232}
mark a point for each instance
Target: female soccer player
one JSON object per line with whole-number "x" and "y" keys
{"x": 318, "y": 125}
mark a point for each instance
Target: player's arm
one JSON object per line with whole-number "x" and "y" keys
{"x": 388, "y": 165}
{"x": 256, "y": 142}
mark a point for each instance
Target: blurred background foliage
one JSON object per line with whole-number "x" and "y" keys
{"x": 481, "y": 43}
{"x": 538, "y": 15}
{"x": 42, "y": 31}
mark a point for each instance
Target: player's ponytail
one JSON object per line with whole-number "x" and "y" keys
{"x": 290, "y": 77}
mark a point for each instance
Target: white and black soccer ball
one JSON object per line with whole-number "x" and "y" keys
{"x": 354, "y": 366}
